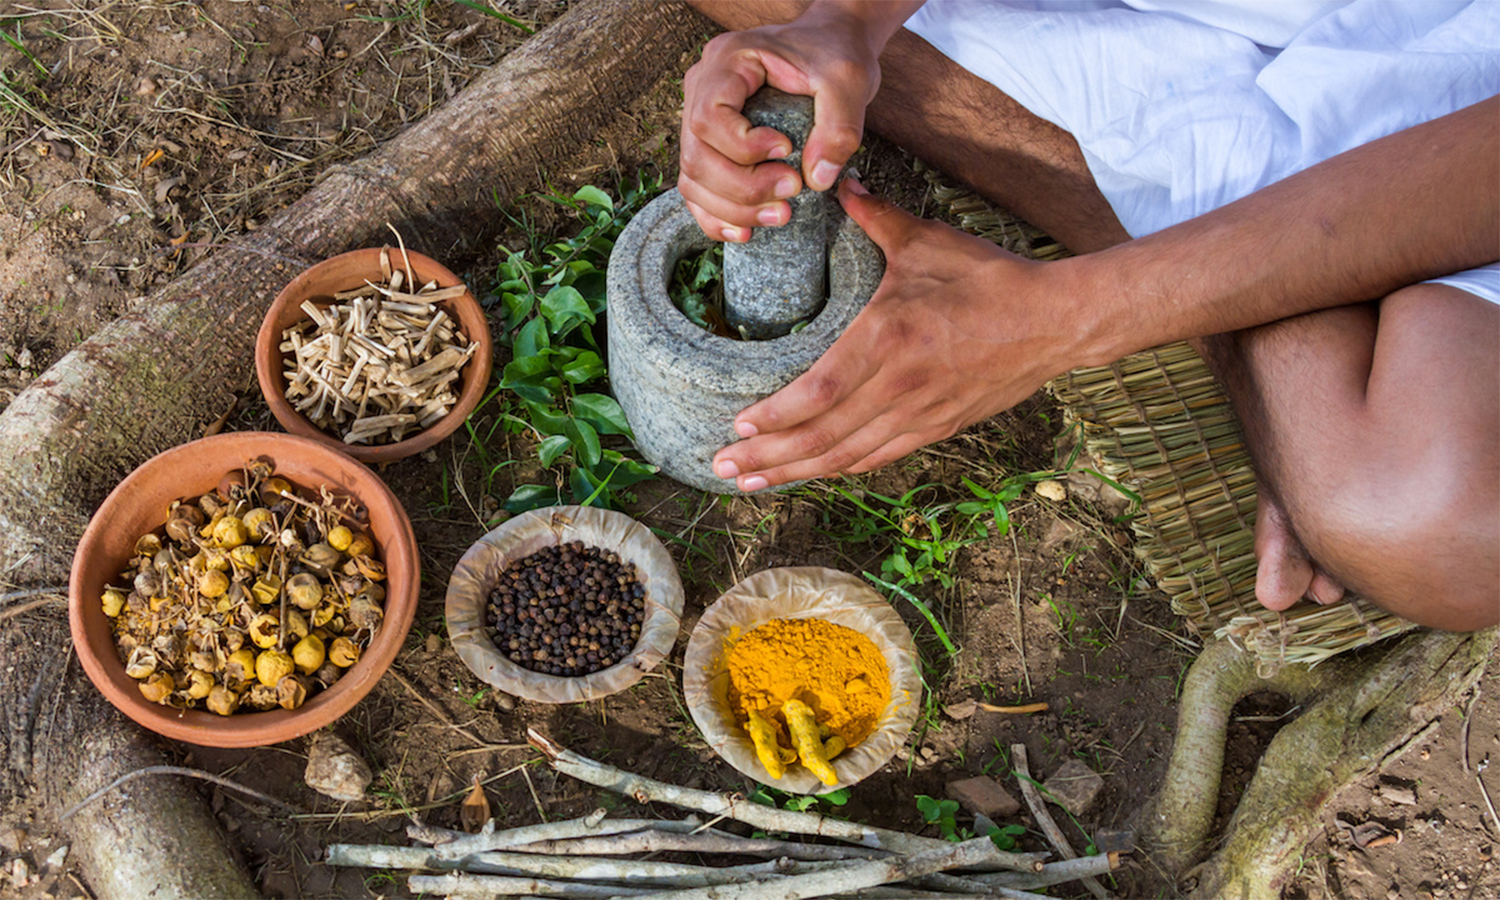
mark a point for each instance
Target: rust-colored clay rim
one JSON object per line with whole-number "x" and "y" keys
{"x": 140, "y": 503}
{"x": 344, "y": 272}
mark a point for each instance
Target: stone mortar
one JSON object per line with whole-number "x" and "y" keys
{"x": 680, "y": 385}
{"x": 777, "y": 278}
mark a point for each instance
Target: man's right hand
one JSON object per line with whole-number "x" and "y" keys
{"x": 728, "y": 175}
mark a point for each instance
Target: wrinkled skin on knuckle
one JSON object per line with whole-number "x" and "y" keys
{"x": 813, "y": 441}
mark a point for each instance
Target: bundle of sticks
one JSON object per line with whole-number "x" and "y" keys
{"x": 589, "y": 857}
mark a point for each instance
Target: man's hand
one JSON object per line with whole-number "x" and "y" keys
{"x": 830, "y": 54}
{"x": 957, "y": 331}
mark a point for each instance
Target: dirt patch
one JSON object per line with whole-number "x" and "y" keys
{"x": 160, "y": 130}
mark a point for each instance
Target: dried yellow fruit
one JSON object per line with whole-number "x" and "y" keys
{"x": 245, "y": 557}
{"x": 158, "y": 687}
{"x": 266, "y": 589}
{"x": 291, "y": 691}
{"x": 142, "y": 663}
{"x": 230, "y": 532}
{"x": 272, "y": 488}
{"x": 296, "y": 625}
{"x": 340, "y": 537}
{"x": 309, "y": 654}
{"x": 213, "y": 583}
{"x": 260, "y": 523}
{"x": 260, "y": 697}
{"x": 343, "y": 652}
{"x": 324, "y": 614}
{"x": 321, "y": 556}
{"x": 222, "y": 700}
{"x": 240, "y": 669}
{"x": 199, "y": 684}
{"x": 360, "y": 545}
{"x": 265, "y": 631}
{"x": 113, "y": 601}
{"x": 271, "y": 666}
{"x": 304, "y": 590}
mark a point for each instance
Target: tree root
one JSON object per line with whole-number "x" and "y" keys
{"x": 1364, "y": 708}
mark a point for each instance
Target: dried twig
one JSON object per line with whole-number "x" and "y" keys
{"x": 1053, "y": 873}
{"x": 178, "y": 770}
{"x": 469, "y": 885}
{"x": 20, "y": 608}
{"x": 736, "y": 807}
{"x": 591, "y": 825}
{"x": 1044, "y": 819}
{"x": 714, "y": 841}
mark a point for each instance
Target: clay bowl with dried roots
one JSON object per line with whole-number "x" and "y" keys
{"x": 349, "y": 271}
{"x": 141, "y": 504}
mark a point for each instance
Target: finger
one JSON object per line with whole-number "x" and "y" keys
{"x": 716, "y": 228}
{"x": 838, "y": 124}
{"x": 836, "y": 376}
{"x": 886, "y": 224}
{"x": 746, "y": 198}
{"x": 714, "y": 94}
{"x": 900, "y": 448}
{"x": 839, "y": 456}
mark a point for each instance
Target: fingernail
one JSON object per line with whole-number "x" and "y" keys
{"x": 780, "y": 151}
{"x": 769, "y": 215}
{"x": 754, "y": 483}
{"x": 786, "y": 187}
{"x": 735, "y": 235}
{"x": 745, "y": 429}
{"x": 726, "y": 468}
{"x": 856, "y": 188}
{"x": 823, "y": 175}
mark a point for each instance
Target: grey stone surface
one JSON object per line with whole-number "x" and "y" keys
{"x": 983, "y": 796}
{"x": 681, "y": 386}
{"x": 1074, "y": 787}
{"x": 777, "y": 278}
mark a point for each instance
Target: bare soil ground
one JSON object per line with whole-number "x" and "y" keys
{"x": 135, "y": 137}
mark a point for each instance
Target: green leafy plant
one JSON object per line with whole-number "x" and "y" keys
{"x": 769, "y": 796}
{"x": 944, "y": 813}
{"x": 551, "y": 301}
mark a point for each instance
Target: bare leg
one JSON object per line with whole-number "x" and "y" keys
{"x": 970, "y": 130}
{"x": 1376, "y": 435}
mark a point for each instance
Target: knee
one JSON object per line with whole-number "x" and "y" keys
{"x": 1426, "y": 548}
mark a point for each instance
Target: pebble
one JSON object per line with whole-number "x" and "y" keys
{"x": 335, "y": 770}
{"x": 1074, "y": 787}
{"x": 505, "y": 702}
{"x": 983, "y": 796}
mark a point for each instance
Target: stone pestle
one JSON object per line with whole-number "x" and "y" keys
{"x": 778, "y": 278}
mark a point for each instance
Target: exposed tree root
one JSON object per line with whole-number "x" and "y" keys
{"x": 1364, "y": 708}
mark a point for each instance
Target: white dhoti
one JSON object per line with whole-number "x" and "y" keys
{"x": 1182, "y": 107}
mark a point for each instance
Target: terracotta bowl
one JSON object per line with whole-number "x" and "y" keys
{"x": 140, "y": 504}
{"x": 351, "y": 270}
{"x": 478, "y": 571}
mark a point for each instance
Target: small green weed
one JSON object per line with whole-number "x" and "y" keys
{"x": 769, "y": 796}
{"x": 943, "y": 814}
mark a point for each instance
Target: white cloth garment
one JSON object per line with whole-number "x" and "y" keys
{"x": 1182, "y": 106}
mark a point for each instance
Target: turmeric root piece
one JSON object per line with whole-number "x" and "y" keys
{"x": 771, "y": 754}
{"x": 804, "y": 728}
{"x": 833, "y": 747}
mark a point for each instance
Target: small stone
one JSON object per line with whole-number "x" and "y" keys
{"x": 1395, "y": 793}
{"x": 983, "y": 795}
{"x": 1051, "y": 490}
{"x": 505, "y": 702}
{"x": 11, "y": 839}
{"x": 434, "y": 642}
{"x": 335, "y": 770}
{"x": 929, "y": 754}
{"x": 56, "y": 858}
{"x": 963, "y": 709}
{"x": 1074, "y": 787}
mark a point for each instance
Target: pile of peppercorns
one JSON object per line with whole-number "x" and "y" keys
{"x": 567, "y": 610}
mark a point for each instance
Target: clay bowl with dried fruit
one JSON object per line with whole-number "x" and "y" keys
{"x": 143, "y": 504}
{"x": 371, "y": 370}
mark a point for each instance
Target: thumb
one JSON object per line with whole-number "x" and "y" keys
{"x": 885, "y": 222}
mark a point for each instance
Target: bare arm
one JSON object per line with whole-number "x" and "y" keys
{"x": 960, "y": 330}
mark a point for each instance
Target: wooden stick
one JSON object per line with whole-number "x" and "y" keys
{"x": 1023, "y": 708}
{"x": 733, "y": 806}
{"x": 469, "y": 885}
{"x": 1053, "y": 873}
{"x": 855, "y": 876}
{"x": 553, "y": 832}
{"x": 656, "y": 841}
{"x": 1044, "y": 819}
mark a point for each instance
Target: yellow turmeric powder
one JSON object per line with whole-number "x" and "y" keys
{"x": 839, "y": 673}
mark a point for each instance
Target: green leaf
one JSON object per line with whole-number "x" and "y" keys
{"x": 585, "y": 489}
{"x": 602, "y": 412}
{"x": 585, "y": 368}
{"x": 517, "y": 307}
{"x": 565, "y": 309}
{"x": 593, "y": 287}
{"x": 585, "y": 441}
{"x": 592, "y": 195}
{"x": 836, "y": 798}
{"x": 552, "y": 447}
{"x": 532, "y": 496}
{"x": 546, "y": 419}
{"x": 532, "y": 339}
